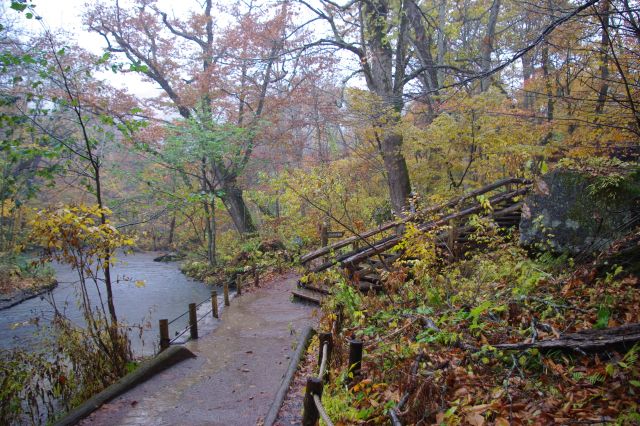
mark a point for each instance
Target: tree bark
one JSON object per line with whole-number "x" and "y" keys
{"x": 209, "y": 215}
{"x": 527, "y": 74}
{"x": 440, "y": 45}
{"x": 397, "y": 171}
{"x": 487, "y": 45}
{"x": 422, "y": 42}
{"x": 604, "y": 58}
{"x": 389, "y": 86}
{"x": 237, "y": 208}
{"x": 546, "y": 70}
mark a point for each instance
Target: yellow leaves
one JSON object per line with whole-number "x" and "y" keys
{"x": 362, "y": 385}
{"x": 73, "y": 233}
{"x": 485, "y": 203}
{"x": 140, "y": 283}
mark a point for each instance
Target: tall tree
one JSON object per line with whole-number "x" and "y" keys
{"x": 376, "y": 32}
{"x": 210, "y": 72}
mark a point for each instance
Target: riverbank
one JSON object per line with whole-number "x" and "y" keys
{"x": 145, "y": 291}
{"x": 28, "y": 289}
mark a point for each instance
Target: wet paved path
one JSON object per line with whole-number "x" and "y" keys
{"x": 236, "y": 374}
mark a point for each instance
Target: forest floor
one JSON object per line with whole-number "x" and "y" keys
{"x": 238, "y": 369}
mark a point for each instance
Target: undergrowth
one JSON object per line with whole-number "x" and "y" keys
{"x": 449, "y": 315}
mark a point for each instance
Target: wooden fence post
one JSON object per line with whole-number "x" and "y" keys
{"x": 164, "y": 334}
{"x": 214, "y": 303}
{"x": 226, "y": 293}
{"x": 324, "y": 338}
{"x": 193, "y": 320}
{"x": 256, "y": 276}
{"x": 339, "y": 318}
{"x": 310, "y": 415}
{"x": 355, "y": 359}
{"x": 324, "y": 237}
{"x": 452, "y": 237}
{"x": 324, "y": 234}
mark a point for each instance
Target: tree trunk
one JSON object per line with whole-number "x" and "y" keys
{"x": 487, "y": 45}
{"x": 527, "y": 74}
{"x": 172, "y": 229}
{"x": 389, "y": 86}
{"x": 397, "y": 172}
{"x": 103, "y": 220}
{"x": 442, "y": 20}
{"x": 604, "y": 58}
{"x": 422, "y": 44}
{"x": 234, "y": 202}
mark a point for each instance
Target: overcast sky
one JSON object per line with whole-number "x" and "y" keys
{"x": 66, "y": 15}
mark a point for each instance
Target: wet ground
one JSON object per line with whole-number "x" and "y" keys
{"x": 236, "y": 374}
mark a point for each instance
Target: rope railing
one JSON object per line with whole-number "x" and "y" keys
{"x": 323, "y": 363}
{"x": 187, "y": 312}
{"x": 321, "y": 411}
{"x": 313, "y": 408}
{"x": 192, "y": 325}
{"x": 205, "y": 315}
{"x": 317, "y": 399}
{"x": 178, "y": 335}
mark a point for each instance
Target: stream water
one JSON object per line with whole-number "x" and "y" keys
{"x": 166, "y": 294}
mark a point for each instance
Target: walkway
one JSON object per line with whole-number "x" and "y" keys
{"x": 236, "y": 374}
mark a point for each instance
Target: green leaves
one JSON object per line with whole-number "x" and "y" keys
{"x": 19, "y": 6}
{"x": 104, "y": 58}
{"x": 139, "y": 68}
{"x": 604, "y": 313}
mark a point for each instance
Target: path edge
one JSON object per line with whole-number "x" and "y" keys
{"x": 145, "y": 371}
{"x": 305, "y": 338}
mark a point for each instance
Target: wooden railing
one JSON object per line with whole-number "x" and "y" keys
{"x": 442, "y": 215}
{"x": 192, "y": 325}
{"x": 313, "y": 409}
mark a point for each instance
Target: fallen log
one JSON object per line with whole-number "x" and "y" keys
{"x": 585, "y": 340}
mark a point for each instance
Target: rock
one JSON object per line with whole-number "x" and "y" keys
{"x": 271, "y": 245}
{"x": 572, "y": 211}
{"x": 169, "y": 257}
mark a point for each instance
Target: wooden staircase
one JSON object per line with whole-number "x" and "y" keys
{"x": 364, "y": 255}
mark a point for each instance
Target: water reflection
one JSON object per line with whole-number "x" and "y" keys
{"x": 166, "y": 294}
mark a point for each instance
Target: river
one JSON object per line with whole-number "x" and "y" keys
{"x": 166, "y": 293}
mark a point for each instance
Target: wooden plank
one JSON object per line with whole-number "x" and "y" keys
{"x": 586, "y": 340}
{"x": 335, "y": 234}
{"x": 343, "y": 243}
{"x": 389, "y": 225}
{"x": 308, "y": 295}
{"x": 313, "y": 288}
{"x": 352, "y": 261}
{"x": 337, "y": 260}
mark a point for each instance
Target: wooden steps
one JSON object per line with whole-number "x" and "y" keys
{"x": 367, "y": 257}
{"x": 308, "y": 295}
